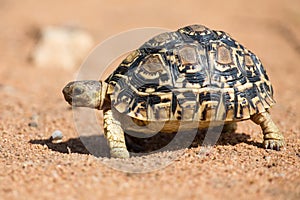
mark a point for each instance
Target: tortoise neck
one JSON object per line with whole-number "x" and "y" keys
{"x": 102, "y": 94}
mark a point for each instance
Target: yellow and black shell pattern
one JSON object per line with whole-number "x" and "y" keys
{"x": 192, "y": 74}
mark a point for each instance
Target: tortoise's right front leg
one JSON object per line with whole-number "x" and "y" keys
{"x": 115, "y": 136}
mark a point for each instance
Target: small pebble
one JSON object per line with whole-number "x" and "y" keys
{"x": 33, "y": 124}
{"x": 34, "y": 121}
{"x": 56, "y": 136}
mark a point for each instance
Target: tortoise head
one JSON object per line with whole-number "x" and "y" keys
{"x": 83, "y": 93}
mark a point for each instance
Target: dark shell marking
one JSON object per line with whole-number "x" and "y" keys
{"x": 191, "y": 74}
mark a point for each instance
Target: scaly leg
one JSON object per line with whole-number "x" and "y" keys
{"x": 115, "y": 136}
{"x": 229, "y": 128}
{"x": 273, "y": 138}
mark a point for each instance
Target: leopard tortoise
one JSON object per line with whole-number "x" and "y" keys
{"x": 194, "y": 74}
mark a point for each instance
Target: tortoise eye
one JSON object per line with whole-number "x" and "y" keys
{"x": 77, "y": 91}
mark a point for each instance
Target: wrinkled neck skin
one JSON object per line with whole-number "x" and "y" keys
{"x": 104, "y": 99}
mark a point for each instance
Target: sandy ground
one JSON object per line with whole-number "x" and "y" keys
{"x": 236, "y": 168}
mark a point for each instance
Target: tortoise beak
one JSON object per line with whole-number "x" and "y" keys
{"x": 67, "y": 92}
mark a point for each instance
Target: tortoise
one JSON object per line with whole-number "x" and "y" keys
{"x": 194, "y": 74}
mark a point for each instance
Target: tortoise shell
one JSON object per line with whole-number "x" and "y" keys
{"x": 192, "y": 74}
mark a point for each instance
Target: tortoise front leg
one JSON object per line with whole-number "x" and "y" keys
{"x": 115, "y": 136}
{"x": 273, "y": 138}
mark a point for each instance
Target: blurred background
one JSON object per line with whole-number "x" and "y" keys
{"x": 270, "y": 28}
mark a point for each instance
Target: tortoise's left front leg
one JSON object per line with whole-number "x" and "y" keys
{"x": 114, "y": 135}
{"x": 273, "y": 138}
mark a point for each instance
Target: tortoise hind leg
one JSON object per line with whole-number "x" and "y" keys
{"x": 229, "y": 128}
{"x": 115, "y": 136}
{"x": 273, "y": 138}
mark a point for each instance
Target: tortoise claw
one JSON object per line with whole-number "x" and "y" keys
{"x": 273, "y": 144}
{"x": 274, "y": 141}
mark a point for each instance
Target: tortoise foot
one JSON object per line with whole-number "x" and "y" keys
{"x": 273, "y": 138}
{"x": 274, "y": 141}
{"x": 119, "y": 153}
